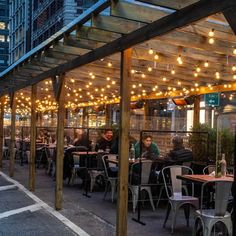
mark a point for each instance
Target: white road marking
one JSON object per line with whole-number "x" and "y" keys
{"x": 32, "y": 208}
{"x": 45, "y": 206}
{"x": 2, "y": 188}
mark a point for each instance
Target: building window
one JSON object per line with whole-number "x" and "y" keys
{"x": 2, "y": 25}
{"x": 2, "y": 38}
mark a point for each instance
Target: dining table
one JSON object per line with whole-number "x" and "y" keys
{"x": 204, "y": 178}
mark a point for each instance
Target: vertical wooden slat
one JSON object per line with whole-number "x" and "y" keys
{"x": 125, "y": 89}
{"x": 60, "y": 142}
{"x": 32, "y": 139}
{"x": 146, "y": 115}
{"x": 85, "y": 117}
{"x": 108, "y": 115}
{"x": 1, "y": 129}
{"x": 196, "y": 112}
{"x": 13, "y": 136}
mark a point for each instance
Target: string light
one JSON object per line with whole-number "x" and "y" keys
{"x": 172, "y": 71}
{"x": 233, "y": 68}
{"x": 143, "y": 75}
{"x": 234, "y": 76}
{"x": 211, "y": 41}
{"x": 179, "y": 60}
{"x": 150, "y": 51}
{"x": 109, "y": 64}
{"x": 234, "y": 51}
{"x": 156, "y": 57}
{"x": 164, "y": 78}
{"x": 149, "y": 69}
{"x": 206, "y": 64}
{"x": 198, "y": 69}
{"x": 217, "y": 75}
{"x": 195, "y": 74}
{"x": 211, "y": 33}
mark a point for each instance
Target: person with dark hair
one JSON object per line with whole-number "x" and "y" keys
{"x": 106, "y": 141}
{"x": 179, "y": 153}
{"x": 149, "y": 148}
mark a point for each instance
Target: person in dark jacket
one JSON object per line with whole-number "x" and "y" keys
{"x": 106, "y": 141}
{"x": 179, "y": 153}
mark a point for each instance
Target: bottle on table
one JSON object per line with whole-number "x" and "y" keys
{"x": 132, "y": 152}
{"x": 223, "y": 165}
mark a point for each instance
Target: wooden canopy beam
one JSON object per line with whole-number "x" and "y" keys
{"x": 164, "y": 25}
{"x": 229, "y": 14}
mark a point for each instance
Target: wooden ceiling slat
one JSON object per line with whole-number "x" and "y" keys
{"x": 73, "y": 41}
{"x": 115, "y": 24}
{"x": 98, "y": 35}
{"x": 129, "y": 11}
{"x": 172, "y": 4}
{"x": 62, "y": 48}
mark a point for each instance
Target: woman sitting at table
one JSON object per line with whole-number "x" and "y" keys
{"x": 149, "y": 148}
{"x": 179, "y": 153}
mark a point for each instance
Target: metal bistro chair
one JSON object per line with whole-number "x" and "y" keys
{"x": 209, "y": 169}
{"x": 174, "y": 188}
{"x": 209, "y": 217}
{"x": 134, "y": 188}
{"x": 110, "y": 181}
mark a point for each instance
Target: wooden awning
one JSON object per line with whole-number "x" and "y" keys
{"x": 172, "y": 30}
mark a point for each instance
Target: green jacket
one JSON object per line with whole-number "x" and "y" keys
{"x": 151, "y": 153}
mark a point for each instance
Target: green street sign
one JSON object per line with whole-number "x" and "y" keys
{"x": 212, "y": 99}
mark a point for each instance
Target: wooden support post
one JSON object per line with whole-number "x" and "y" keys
{"x": 1, "y": 129}
{"x": 108, "y": 115}
{"x": 125, "y": 90}
{"x": 146, "y": 115}
{"x": 59, "y": 90}
{"x": 85, "y": 117}
{"x": 13, "y": 135}
{"x": 32, "y": 139}
{"x": 196, "y": 112}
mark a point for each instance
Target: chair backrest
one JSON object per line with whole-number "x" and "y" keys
{"x": 80, "y": 148}
{"x": 222, "y": 193}
{"x": 170, "y": 174}
{"x": 76, "y": 159}
{"x": 106, "y": 164}
{"x": 145, "y": 170}
{"x": 209, "y": 169}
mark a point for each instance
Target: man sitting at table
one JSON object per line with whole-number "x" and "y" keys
{"x": 149, "y": 148}
{"x": 179, "y": 153}
{"x": 106, "y": 141}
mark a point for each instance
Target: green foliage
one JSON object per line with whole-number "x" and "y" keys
{"x": 198, "y": 143}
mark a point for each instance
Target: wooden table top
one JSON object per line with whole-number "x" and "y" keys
{"x": 204, "y": 178}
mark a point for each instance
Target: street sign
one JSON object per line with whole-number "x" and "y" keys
{"x": 212, "y": 99}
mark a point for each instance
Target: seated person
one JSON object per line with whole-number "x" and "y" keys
{"x": 179, "y": 153}
{"x": 149, "y": 148}
{"x": 81, "y": 139}
{"x": 106, "y": 141}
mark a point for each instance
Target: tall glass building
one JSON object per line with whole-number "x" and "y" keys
{"x": 4, "y": 40}
{"x": 34, "y": 21}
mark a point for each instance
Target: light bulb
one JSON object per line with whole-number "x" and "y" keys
{"x": 211, "y": 33}
{"x": 233, "y": 68}
{"x": 206, "y": 64}
{"x": 198, "y": 69}
{"x": 150, "y": 51}
{"x": 109, "y": 64}
{"x": 132, "y": 71}
{"x": 149, "y": 68}
{"x": 164, "y": 78}
{"x": 173, "y": 72}
{"x": 211, "y": 40}
{"x": 234, "y": 51}
{"x": 143, "y": 75}
{"x": 156, "y": 57}
{"x": 195, "y": 74}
